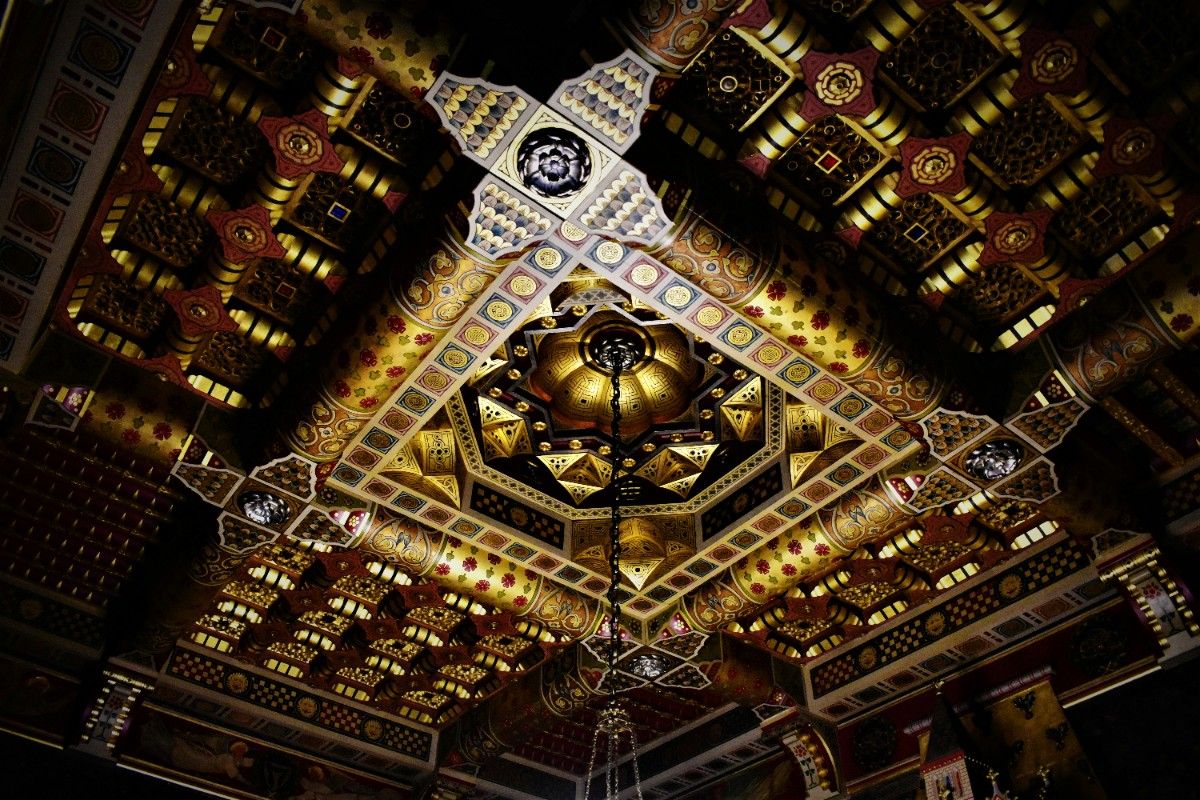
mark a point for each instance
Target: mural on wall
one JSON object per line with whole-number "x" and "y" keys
{"x": 173, "y": 747}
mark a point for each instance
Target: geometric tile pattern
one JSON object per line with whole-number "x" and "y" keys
{"x": 1005, "y": 588}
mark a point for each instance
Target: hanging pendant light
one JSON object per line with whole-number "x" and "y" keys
{"x": 616, "y": 350}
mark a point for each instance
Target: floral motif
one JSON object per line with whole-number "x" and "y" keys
{"x": 789, "y": 569}
{"x": 162, "y": 431}
{"x": 1015, "y": 238}
{"x": 341, "y": 389}
{"x": 246, "y": 233}
{"x": 1053, "y": 62}
{"x": 368, "y": 358}
{"x": 482, "y": 585}
{"x": 861, "y": 349}
{"x": 395, "y": 372}
{"x": 301, "y": 144}
{"x": 114, "y": 410}
{"x": 821, "y": 549}
{"x": 396, "y": 324}
{"x": 754, "y": 311}
{"x": 763, "y": 567}
{"x": 795, "y": 547}
{"x": 819, "y": 321}
{"x": 423, "y": 338}
{"x": 507, "y": 580}
{"x": 776, "y": 290}
{"x": 1181, "y": 322}
{"x": 933, "y": 165}
{"x": 469, "y": 564}
{"x": 368, "y": 402}
{"x": 796, "y": 340}
{"x": 839, "y": 83}
{"x": 757, "y": 588}
{"x": 379, "y": 25}
{"x": 520, "y": 601}
{"x": 442, "y": 569}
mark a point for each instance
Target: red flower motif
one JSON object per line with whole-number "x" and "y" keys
{"x": 442, "y": 569}
{"x": 507, "y": 580}
{"x": 795, "y": 547}
{"x": 423, "y": 338}
{"x": 396, "y": 324}
{"x": 368, "y": 358}
{"x": 754, "y": 311}
{"x": 796, "y": 340}
{"x": 368, "y": 402}
{"x": 379, "y": 25}
{"x": 162, "y": 431}
{"x": 820, "y": 320}
{"x": 395, "y": 372}
{"x": 808, "y": 286}
{"x": 763, "y": 567}
{"x": 114, "y": 410}
{"x": 454, "y": 541}
{"x": 341, "y": 389}
{"x": 361, "y": 55}
{"x": 520, "y": 601}
{"x": 757, "y": 588}
{"x": 822, "y": 549}
{"x": 493, "y": 558}
{"x": 1181, "y": 322}
{"x": 838, "y": 366}
{"x": 789, "y": 569}
{"x": 861, "y": 349}
{"x": 131, "y": 436}
{"x": 776, "y": 290}
{"x": 482, "y": 586}
{"x": 469, "y": 564}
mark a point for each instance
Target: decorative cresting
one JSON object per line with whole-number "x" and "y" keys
{"x": 860, "y": 517}
{"x": 656, "y": 388}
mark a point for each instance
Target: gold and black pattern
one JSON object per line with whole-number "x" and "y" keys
{"x": 134, "y": 313}
{"x": 508, "y": 511}
{"x": 1008, "y": 587}
{"x": 1108, "y": 213}
{"x": 212, "y": 142}
{"x": 1030, "y": 141}
{"x": 999, "y": 294}
{"x": 163, "y": 230}
{"x": 830, "y": 160}
{"x": 749, "y": 497}
{"x": 942, "y": 58}
{"x": 918, "y": 232}
{"x": 729, "y": 84}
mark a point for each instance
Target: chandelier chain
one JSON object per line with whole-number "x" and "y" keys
{"x": 614, "y": 597}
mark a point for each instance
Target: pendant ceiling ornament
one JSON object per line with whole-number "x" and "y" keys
{"x": 616, "y": 350}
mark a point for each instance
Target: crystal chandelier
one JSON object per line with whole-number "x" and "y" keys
{"x": 615, "y": 350}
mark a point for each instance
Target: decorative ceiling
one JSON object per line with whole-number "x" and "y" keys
{"x": 324, "y": 296}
